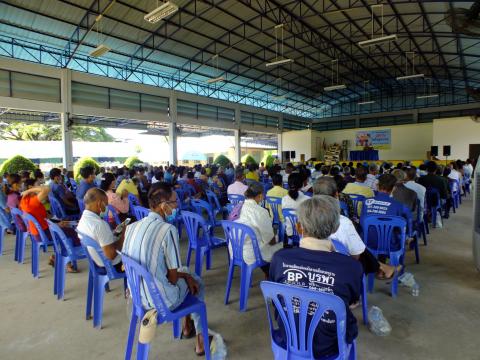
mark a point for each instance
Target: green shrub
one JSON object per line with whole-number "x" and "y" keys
{"x": 268, "y": 160}
{"x": 248, "y": 159}
{"x": 222, "y": 160}
{"x": 81, "y": 163}
{"x": 132, "y": 161}
{"x": 16, "y": 164}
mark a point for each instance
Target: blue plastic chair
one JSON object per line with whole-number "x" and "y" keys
{"x": 189, "y": 190}
{"x": 290, "y": 216}
{"x": 40, "y": 240}
{"x": 200, "y": 240}
{"x": 81, "y": 206}
{"x": 275, "y": 206}
{"x": 384, "y": 227}
{"x": 3, "y": 228}
{"x": 344, "y": 208}
{"x": 98, "y": 279}
{"x": 21, "y": 234}
{"x": 420, "y": 224}
{"x": 358, "y": 201}
{"x": 340, "y": 248}
{"x": 236, "y": 233}
{"x": 140, "y": 279}
{"x": 235, "y": 198}
{"x": 74, "y": 185}
{"x": 111, "y": 210}
{"x": 64, "y": 252}
{"x": 299, "y": 341}
{"x": 132, "y": 202}
{"x": 201, "y": 207}
{"x": 434, "y": 204}
{"x": 412, "y": 232}
{"x": 212, "y": 199}
{"x": 140, "y": 212}
{"x": 457, "y": 199}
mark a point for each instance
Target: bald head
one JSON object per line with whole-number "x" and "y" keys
{"x": 95, "y": 200}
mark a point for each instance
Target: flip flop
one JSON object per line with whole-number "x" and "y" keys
{"x": 210, "y": 338}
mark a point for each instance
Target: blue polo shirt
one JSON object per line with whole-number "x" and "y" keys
{"x": 382, "y": 204}
{"x": 82, "y": 188}
{"x": 324, "y": 271}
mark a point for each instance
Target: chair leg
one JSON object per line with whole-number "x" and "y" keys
{"x": 417, "y": 254}
{"x": 353, "y": 351}
{"x": 55, "y": 275}
{"x": 2, "y": 237}
{"x": 88, "y": 311}
{"x": 206, "y": 345}
{"x": 35, "y": 258}
{"x": 177, "y": 329}
{"x": 364, "y": 300}
{"x": 198, "y": 261}
{"x": 208, "y": 254}
{"x": 142, "y": 351}
{"x": 245, "y": 287}
{"x": 189, "y": 255}
{"x": 131, "y": 335}
{"x": 229, "y": 281}
{"x": 61, "y": 277}
{"x": 98, "y": 295}
{"x": 15, "y": 255}
{"x": 371, "y": 281}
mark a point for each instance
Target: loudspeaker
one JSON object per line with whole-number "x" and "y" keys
{"x": 286, "y": 156}
{"x": 292, "y": 155}
{"x": 434, "y": 151}
{"x": 446, "y": 150}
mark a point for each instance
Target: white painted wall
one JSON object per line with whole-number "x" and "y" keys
{"x": 457, "y": 132}
{"x": 299, "y": 141}
{"x": 409, "y": 142}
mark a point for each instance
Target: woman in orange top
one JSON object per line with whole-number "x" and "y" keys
{"x": 32, "y": 203}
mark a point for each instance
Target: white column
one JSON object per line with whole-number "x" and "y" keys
{"x": 279, "y": 138}
{"x": 172, "y": 129}
{"x": 238, "y": 136}
{"x": 66, "y": 141}
{"x": 66, "y": 100}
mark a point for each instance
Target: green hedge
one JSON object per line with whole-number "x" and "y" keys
{"x": 268, "y": 160}
{"x": 222, "y": 160}
{"x": 16, "y": 164}
{"x": 132, "y": 161}
{"x": 81, "y": 163}
{"x": 248, "y": 159}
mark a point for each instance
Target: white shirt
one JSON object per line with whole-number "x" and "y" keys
{"x": 467, "y": 171}
{"x": 289, "y": 203}
{"x": 372, "y": 182}
{"x": 348, "y": 236}
{"x": 95, "y": 227}
{"x": 260, "y": 221}
{"x": 454, "y": 175}
{"x": 420, "y": 190}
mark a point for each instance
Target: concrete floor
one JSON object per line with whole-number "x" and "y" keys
{"x": 443, "y": 323}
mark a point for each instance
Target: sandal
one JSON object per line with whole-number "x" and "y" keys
{"x": 51, "y": 261}
{"x": 71, "y": 269}
{"x": 192, "y": 332}
{"x": 202, "y": 353}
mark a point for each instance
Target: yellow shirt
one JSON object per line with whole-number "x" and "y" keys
{"x": 357, "y": 189}
{"x": 252, "y": 175}
{"x": 128, "y": 185}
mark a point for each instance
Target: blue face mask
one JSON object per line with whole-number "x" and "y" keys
{"x": 171, "y": 218}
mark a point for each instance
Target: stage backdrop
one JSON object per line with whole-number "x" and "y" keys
{"x": 378, "y": 139}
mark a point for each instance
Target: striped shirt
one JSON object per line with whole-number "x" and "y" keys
{"x": 154, "y": 244}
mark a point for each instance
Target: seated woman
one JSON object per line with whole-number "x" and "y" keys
{"x": 32, "y": 203}
{"x": 119, "y": 202}
{"x": 258, "y": 218}
{"x": 315, "y": 265}
{"x": 13, "y": 192}
{"x": 294, "y": 198}
{"x": 252, "y": 173}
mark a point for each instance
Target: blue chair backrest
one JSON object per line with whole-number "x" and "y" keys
{"x": 339, "y": 247}
{"x": 132, "y": 200}
{"x": 61, "y": 242}
{"x": 384, "y": 228}
{"x": 74, "y": 185}
{"x": 213, "y": 200}
{"x": 201, "y": 207}
{"x": 108, "y": 269}
{"x": 432, "y": 197}
{"x": 275, "y": 203}
{"x": 140, "y": 212}
{"x": 30, "y": 220}
{"x": 17, "y": 216}
{"x": 308, "y": 193}
{"x": 358, "y": 201}
{"x": 290, "y": 215}
{"x": 180, "y": 194}
{"x": 81, "y": 205}
{"x": 197, "y": 229}
{"x": 189, "y": 190}
{"x": 344, "y": 208}
{"x": 56, "y": 207}
{"x": 111, "y": 211}
{"x": 236, "y": 233}
{"x": 141, "y": 281}
{"x": 293, "y": 306}
{"x": 235, "y": 198}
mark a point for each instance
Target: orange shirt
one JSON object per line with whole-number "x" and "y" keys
{"x": 32, "y": 205}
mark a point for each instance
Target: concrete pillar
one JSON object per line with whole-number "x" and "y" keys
{"x": 67, "y": 145}
{"x": 280, "y": 147}
{"x": 172, "y": 129}
{"x": 65, "y": 126}
{"x": 238, "y": 147}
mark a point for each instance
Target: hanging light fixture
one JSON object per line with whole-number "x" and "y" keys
{"x": 336, "y": 85}
{"x": 279, "y": 58}
{"x": 412, "y": 75}
{"x": 219, "y": 78}
{"x": 101, "y": 49}
{"x": 366, "y": 95}
{"x": 427, "y": 94}
{"x": 377, "y": 40}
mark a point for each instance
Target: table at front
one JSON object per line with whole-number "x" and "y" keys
{"x": 369, "y": 155}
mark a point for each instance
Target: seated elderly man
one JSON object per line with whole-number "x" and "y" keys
{"x": 403, "y": 194}
{"x": 318, "y": 219}
{"x": 92, "y": 225}
{"x": 348, "y": 236}
{"x": 238, "y": 187}
{"x": 154, "y": 243}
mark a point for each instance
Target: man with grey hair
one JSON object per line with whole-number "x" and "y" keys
{"x": 316, "y": 266}
{"x": 348, "y": 235}
{"x": 403, "y": 194}
{"x": 372, "y": 181}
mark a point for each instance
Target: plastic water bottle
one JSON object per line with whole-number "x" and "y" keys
{"x": 415, "y": 289}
